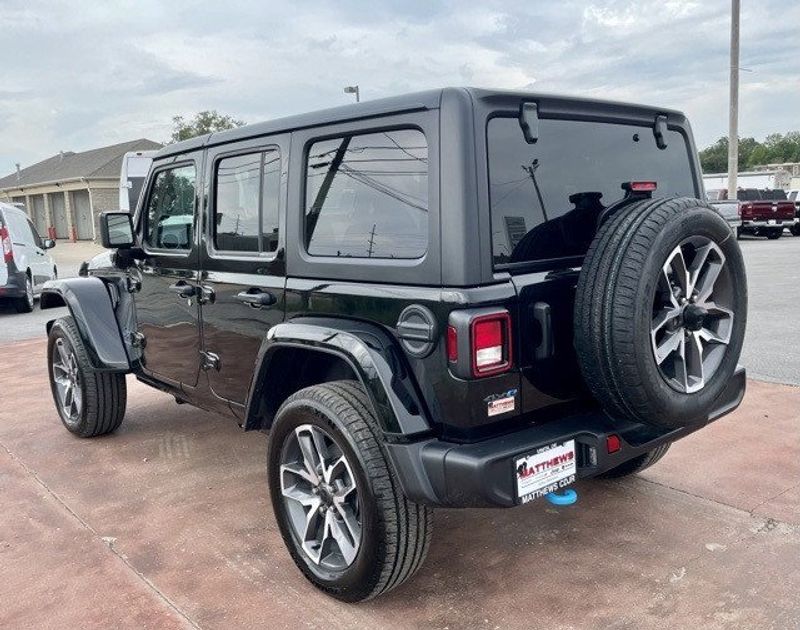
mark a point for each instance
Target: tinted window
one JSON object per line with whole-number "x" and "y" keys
{"x": 793, "y": 195}
{"x": 247, "y": 201}
{"x": 170, "y": 209}
{"x": 367, "y": 196}
{"x": 749, "y": 194}
{"x": 546, "y": 197}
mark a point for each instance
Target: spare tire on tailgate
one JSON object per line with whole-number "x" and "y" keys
{"x": 660, "y": 311}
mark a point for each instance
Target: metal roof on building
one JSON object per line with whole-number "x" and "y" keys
{"x": 104, "y": 162}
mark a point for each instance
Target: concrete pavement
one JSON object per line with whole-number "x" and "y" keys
{"x": 18, "y": 326}
{"x": 167, "y": 523}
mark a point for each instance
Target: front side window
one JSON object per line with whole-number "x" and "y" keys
{"x": 247, "y": 202}
{"x": 546, "y": 197}
{"x": 367, "y": 196}
{"x": 170, "y": 209}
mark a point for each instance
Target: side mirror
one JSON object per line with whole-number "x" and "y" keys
{"x": 48, "y": 243}
{"x": 116, "y": 230}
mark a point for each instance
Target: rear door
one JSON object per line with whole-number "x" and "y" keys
{"x": 26, "y": 253}
{"x": 167, "y": 309}
{"x": 243, "y": 264}
{"x": 545, "y": 202}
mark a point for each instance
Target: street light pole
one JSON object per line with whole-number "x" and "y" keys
{"x": 733, "y": 120}
{"x": 353, "y": 89}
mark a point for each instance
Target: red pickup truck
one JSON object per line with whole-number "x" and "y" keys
{"x": 764, "y": 212}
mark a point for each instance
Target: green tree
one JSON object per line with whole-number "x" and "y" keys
{"x": 714, "y": 159}
{"x": 202, "y": 123}
{"x": 775, "y": 149}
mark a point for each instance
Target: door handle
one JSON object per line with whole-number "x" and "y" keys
{"x": 256, "y": 298}
{"x": 182, "y": 289}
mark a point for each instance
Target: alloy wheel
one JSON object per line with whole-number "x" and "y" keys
{"x": 320, "y": 494}
{"x": 67, "y": 377}
{"x": 692, "y": 314}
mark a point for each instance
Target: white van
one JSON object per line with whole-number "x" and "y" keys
{"x": 25, "y": 264}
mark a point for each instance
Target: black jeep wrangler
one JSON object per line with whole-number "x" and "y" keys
{"x": 454, "y": 298}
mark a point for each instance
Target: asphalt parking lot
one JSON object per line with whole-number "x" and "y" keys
{"x": 167, "y": 522}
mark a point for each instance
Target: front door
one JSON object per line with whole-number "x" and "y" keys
{"x": 166, "y": 305}
{"x": 243, "y": 269}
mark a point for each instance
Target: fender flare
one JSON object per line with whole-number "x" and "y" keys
{"x": 90, "y": 305}
{"x": 369, "y": 351}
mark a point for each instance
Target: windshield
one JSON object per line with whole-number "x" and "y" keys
{"x": 546, "y": 197}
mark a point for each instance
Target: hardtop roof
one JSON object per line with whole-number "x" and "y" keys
{"x": 429, "y": 99}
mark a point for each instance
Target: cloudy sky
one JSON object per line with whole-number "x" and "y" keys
{"x": 81, "y": 75}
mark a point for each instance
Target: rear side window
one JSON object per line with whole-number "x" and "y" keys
{"x": 170, "y": 209}
{"x": 546, "y": 197}
{"x": 367, "y": 196}
{"x": 246, "y": 205}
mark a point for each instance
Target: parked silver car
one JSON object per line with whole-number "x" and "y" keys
{"x": 729, "y": 209}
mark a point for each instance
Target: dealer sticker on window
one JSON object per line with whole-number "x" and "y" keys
{"x": 548, "y": 470}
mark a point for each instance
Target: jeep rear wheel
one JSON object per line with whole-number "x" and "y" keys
{"x": 341, "y": 512}
{"x": 660, "y": 312}
{"x": 89, "y": 403}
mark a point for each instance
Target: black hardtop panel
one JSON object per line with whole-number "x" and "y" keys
{"x": 572, "y": 106}
{"x": 549, "y": 104}
{"x": 380, "y": 107}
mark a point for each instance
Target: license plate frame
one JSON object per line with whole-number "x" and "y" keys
{"x": 547, "y": 469}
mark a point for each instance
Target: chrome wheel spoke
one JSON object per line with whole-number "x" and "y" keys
{"x": 344, "y": 537}
{"x": 675, "y": 270}
{"x": 673, "y": 342}
{"x": 693, "y": 358}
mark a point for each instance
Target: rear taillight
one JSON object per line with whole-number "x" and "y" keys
{"x": 5, "y": 241}
{"x": 490, "y": 344}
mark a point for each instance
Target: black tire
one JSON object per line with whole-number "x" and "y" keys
{"x": 26, "y": 303}
{"x": 637, "y": 464}
{"x": 614, "y": 310}
{"x": 395, "y": 531}
{"x": 774, "y": 235}
{"x": 795, "y": 229}
{"x": 103, "y": 394}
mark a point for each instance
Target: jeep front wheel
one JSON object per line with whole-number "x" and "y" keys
{"x": 660, "y": 312}
{"x": 89, "y": 403}
{"x": 341, "y": 512}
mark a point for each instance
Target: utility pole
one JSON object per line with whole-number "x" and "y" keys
{"x": 371, "y": 241}
{"x": 733, "y": 121}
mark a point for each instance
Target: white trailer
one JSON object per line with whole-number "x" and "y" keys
{"x": 747, "y": 179}
{"x": 135, "y": 166}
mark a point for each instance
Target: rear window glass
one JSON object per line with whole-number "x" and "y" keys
{"x": 546, "y": 197}
{"x": 749, "y": 194}
{"x": 367, "y": 196}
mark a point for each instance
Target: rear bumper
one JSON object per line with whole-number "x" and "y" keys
{"x": 482, "y": 474}
{"x": 765, "y": 223}
{"x": 14, "y": 286}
